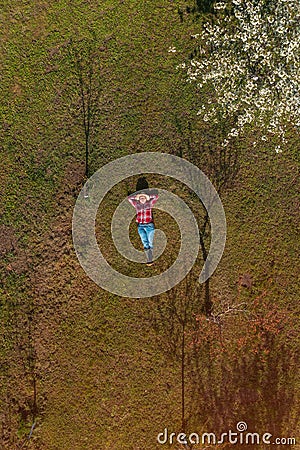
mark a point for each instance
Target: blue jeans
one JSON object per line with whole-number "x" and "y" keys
{"x": 146, "y": 232}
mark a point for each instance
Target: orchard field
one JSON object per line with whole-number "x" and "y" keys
{"x": 82, "y": 368}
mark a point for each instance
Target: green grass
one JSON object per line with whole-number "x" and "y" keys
{"x": 105, "y": 375}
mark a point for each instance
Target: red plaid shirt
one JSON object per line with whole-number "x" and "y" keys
{"x": 143, "y": 211}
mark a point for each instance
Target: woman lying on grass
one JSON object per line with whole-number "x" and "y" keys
{"x": 143, "y": 204}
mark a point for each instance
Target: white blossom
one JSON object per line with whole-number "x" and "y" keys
{"x": 250, "y": 57}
